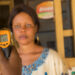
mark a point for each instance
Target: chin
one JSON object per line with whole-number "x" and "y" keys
{"x": 24, "y": 42}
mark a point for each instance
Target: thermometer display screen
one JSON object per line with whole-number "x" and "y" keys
{"x": 3, "y": 38}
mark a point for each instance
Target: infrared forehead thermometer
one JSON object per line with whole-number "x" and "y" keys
{"x": 4, "y": 38}
{"x": 5, "y": 42}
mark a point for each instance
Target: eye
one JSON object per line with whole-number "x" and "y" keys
{"x": 28, "y": 26}
{"x": 17, "y": 26}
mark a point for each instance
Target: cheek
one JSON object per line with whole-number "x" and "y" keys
{"x": 31, "y": 33}
{"x": 16, "y": 33}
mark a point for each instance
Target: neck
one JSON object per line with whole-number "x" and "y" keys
{"x": 27, "y": 48}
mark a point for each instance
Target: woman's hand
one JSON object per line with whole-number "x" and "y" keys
{"x": 11, "y": 66}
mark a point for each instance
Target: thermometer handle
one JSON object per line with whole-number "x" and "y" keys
{"x": 7, "y": 51}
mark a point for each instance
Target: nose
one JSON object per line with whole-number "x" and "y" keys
{"x": 23, "y": 28}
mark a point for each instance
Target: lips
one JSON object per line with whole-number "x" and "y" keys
{"x": 22, "y": 37}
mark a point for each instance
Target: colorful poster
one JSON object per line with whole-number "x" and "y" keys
{"x": 45, "y": 10}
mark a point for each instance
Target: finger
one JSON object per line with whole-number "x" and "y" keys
{"x": 0, "y": 73}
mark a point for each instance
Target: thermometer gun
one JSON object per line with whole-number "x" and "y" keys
{"x": 5, "y": 42}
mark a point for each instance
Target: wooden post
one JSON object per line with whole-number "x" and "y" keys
{"x": 11, "y": 5}
{"x": 59, "y": 27}
{"x": 73, "y": 20}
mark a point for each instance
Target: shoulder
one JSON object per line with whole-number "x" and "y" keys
{"x": 55, "y": 58}
{"x": 53, "y": 53}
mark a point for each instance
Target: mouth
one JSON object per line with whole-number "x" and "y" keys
{"x": 22, "y": 37}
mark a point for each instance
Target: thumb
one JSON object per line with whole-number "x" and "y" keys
{"x": 14, "y": 57}
{"x": 14, "y": 54}
{"x": 15, "y": 62}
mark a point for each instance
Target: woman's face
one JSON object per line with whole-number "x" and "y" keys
{"x": 23, "y": 28}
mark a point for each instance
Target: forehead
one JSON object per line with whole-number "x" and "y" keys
{"x": 22, "y": 17}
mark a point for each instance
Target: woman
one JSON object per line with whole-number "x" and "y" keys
{"x": 36, "y": 60}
